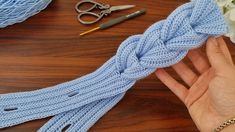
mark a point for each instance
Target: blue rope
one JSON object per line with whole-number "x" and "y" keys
{"x": 15, "y": 11}
{"x": 78, "y": 104}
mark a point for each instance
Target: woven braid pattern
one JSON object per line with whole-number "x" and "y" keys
{"x": 16, "y": 11}
{"x": 81, "y": 102}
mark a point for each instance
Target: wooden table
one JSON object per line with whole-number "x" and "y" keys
{"x": 46, "y": 50}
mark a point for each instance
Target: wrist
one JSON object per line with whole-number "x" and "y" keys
{"x": 230, "y": 128}
{"x": 226, "y": 126}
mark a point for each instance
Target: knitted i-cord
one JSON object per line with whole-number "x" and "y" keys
{"x": 16, "y": 11}
{"x": 78, "y": 104}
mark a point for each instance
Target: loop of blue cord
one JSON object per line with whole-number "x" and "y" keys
{"x": 78, "y": 104}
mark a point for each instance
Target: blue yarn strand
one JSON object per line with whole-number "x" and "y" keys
{"x": 16, "y": 11}
{"x": 81, "y": 102}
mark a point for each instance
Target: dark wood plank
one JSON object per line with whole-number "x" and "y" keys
{"x": 46, "y": 50}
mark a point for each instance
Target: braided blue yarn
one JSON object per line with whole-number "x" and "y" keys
{"x": 15, "y": 11}
{"x": 81, "y": 102}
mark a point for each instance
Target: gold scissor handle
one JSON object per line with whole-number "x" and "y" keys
{"x": 94, "y": 3}
{"x": 90, "y": 14}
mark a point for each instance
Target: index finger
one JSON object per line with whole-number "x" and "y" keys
{"x": 225, "y": 50}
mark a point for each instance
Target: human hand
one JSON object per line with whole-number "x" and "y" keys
{"x": 210, "y": 96}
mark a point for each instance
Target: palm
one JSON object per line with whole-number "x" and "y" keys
{"x": 212, "y": 105}
{"x": 206, "y": 89}
{"x": 201, "y": 103}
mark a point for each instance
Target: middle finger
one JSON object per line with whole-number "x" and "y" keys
{"x": 199, "y": 60}
{"x": 188, "y": 76}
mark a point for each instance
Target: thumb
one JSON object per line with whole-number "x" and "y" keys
{"x": 215, "y": 55}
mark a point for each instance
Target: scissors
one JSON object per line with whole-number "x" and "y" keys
{"x": 106, "y": 9}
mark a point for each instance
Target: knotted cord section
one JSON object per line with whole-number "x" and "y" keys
{"x": 168, "y": 41}
{"x": 78, "y": 104}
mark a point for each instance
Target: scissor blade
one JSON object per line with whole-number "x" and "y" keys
{"x": 123, "y": 7}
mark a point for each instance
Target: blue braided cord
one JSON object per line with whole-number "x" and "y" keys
{"x": 95, "y": 115}
{"x": 46, "y": 105}
{"x": 16, "y": 11}
{"x": 79, "y": 102}
{"x": 81, "y": 119}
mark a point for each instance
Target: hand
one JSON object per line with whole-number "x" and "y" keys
{"x": 210, "y": 96}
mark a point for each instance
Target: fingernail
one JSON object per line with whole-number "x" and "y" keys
{"x": 213, "y": 40}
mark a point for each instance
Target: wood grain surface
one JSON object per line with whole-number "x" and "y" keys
{"x": 46, "y": 50}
